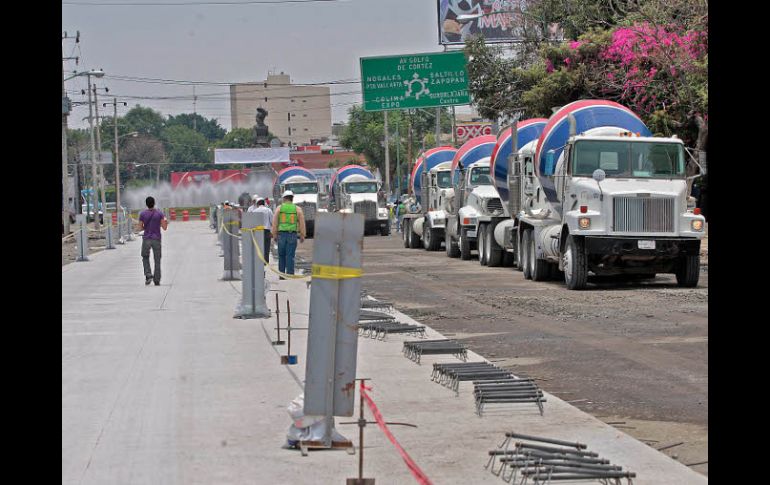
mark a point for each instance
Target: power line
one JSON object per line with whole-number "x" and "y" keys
{"x": 151, "y": 80}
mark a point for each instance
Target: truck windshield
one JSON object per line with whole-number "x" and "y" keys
{"x": 622, "y": 159}
{"x": 361, "y": 187}
{"x": 444, "y": 179}
{"x": 303, "y": 188}
{"x": 480, "y": 176}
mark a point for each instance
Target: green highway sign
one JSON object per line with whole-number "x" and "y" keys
{"x": 414, "y": 81}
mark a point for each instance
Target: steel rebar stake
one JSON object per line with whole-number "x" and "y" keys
{"x": 278, "y": 322}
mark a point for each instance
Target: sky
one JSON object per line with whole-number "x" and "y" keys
{"x": 312, "y": 42}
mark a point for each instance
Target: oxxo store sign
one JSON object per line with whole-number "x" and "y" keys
{"x": 414, "y": 81}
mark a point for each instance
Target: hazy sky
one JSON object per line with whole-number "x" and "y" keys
{"x": 312, "y": 42}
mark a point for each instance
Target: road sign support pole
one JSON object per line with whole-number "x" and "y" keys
{"x": 387, "y": 157}
{"x": 438, "y": 127}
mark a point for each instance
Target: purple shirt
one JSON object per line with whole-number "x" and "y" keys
{"x": 151, "y": 219}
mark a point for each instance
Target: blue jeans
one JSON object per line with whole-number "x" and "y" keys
{"x": 287, "y": 246}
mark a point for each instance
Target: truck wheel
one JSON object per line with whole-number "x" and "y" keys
{"x": 481, "y": 243}
{"x": 494, "y": 251}
{"x": 435, "y": 241}
{"x": 688, "y": 271}
{"x": 538, "y": 267}
{"x": 426, "y": 237}
{"x": 575, "y": 264}
{"x": 405, "y": 233}
{"x": 452, "y": 248}
{"x": 465, "y": 245}
{"x": 414, "y": 239}
{"x": 524, "y": 251}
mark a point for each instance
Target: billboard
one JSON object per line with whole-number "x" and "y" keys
{"x": 466, "y": 131}
{"x": 414, "y": 81}
{"x": 496, "y": 20}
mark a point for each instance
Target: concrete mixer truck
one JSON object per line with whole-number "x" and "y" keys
{"x": 354, "y": 189}
{"x": 598, "y": 193}
{"x": 474, "y": 200}
{"x": 431, "y": 185}
{"x": 304, "y": 184}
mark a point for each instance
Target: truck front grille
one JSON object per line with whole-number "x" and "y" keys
{"x": 643, "y": 214}
{"x": 308, "y": 209}
{"x": 494, "y": 204}
{"x": 367, "y": 208}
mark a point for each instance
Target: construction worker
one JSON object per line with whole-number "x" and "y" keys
{"x": 260, "y": 207}
{"x": 288, "y": 224}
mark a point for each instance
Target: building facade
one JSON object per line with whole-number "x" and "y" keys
{"x": 297, "y": 114}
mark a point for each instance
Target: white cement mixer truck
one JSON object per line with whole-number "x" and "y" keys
{"x": 597, "y": 193}
{"x": 304, "y": 184}
{"x": 354, "y": 189}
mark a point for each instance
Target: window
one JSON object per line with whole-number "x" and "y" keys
{"x": 480, "y": 176}
{"x": 628, "y": 159}
{"x": 444, "y": 179}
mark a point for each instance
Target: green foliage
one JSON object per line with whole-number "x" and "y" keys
{"x": 186, "y": 149}
{"x": 144, "y": 120}
{"x": 207, "y": 127}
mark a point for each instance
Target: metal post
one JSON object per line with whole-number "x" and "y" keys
{"x": 409, "y": 156}
{"x": 253, "y": 304}
{"x": 438, "y": 127}
{"x": 387, "y": 157}
{"x": 64, "y": 159}
{"x": 82, "y": 237}
{"x": 93, "y": 155}
{"x": 398, "y": 160}
{"x": 335, "y": 299}
{"x": 108, "y": 234}
{"x": 230, "y": 246}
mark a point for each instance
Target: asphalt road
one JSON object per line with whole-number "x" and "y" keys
{"x": 634, "y": 354}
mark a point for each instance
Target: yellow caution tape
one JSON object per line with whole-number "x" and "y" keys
{"x": 334, "y": 272}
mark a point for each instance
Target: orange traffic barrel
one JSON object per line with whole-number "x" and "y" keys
{"x": 203, "y": 214}
{"x": 185, "y": 215}
{"x": 173, "y": 214}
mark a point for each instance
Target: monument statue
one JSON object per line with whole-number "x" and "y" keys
{"x": 260, "y": 129}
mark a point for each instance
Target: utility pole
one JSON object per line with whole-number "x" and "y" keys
{"x": 99, "y": 154}
{"x": 195, "y": 112}
{"x": 117, "y": 156}
{"x": 398, "y": 161}
{"x": 64, "y": 157}
{"x": 93, "y": 156}
{"x": 387, "y": 158}
{"x": 409, "y": 155}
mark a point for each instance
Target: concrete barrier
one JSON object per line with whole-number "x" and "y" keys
{"x": 81, "y": 235}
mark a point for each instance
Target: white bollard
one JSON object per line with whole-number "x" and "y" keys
{"x": 253, "y": 304}
{"x": 108, "y": 227}
{"x": 81, "y": 236}
{"x": 230, "y": 246}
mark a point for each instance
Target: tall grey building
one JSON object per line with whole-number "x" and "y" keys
{"x": 297, "y": 113}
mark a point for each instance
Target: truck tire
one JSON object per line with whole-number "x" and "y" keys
{"x": 517, "y": 256}
{"x": 524, "y": 250}
{"x": 481, "y": 243}
{"x": 538, "y": 267}
{"x": 414, "y": 239}
{"x": 494, "y": 251}
{"x": 430, "y": 240}
{"x": 688, "y": 271}
{"x": 405, "y": 233}
{"x": 575, "y": 263}
{"x": 465, "y": 245}
{"x": 452, "y": 248}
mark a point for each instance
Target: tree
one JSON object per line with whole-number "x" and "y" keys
{"x": 186, "y": 149}
{"x": 140, "y": 157}
{"x": 364, "y": 133}
{"x": 144, "y": 120}
{"x": 207, "y": 127}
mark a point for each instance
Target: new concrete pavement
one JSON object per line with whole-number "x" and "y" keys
{"x": 161, "y": 385}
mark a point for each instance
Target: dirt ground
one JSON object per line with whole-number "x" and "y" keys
{"x": 634, "y": 354}
{"x": 69, "y": 252}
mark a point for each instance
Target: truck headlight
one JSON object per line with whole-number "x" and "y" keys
{"x": 697, "y": 225}
{"x": 584, "y": 222}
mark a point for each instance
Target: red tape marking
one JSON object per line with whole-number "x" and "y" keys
{"x": 418, "y": 474}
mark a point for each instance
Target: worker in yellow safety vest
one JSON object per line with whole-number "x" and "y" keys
{"x": 288, "y": 224}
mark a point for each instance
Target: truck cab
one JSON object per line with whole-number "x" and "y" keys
{"x": 619, "y": 205}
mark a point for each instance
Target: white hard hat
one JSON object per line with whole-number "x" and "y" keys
{"x": 288, "y": 193}
{"x": 255, "y": 197}
{"x": 259, "y": 199}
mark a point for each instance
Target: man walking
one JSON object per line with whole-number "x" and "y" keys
{"x": 151, "y": 221}
{"x": 260, "y": 208}
{"x": 288, "y": 223}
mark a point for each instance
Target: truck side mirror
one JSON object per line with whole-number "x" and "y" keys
{"x": 550, "y": 163}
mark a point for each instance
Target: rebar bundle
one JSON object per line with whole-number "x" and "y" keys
{"x": 414, "y": 350}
